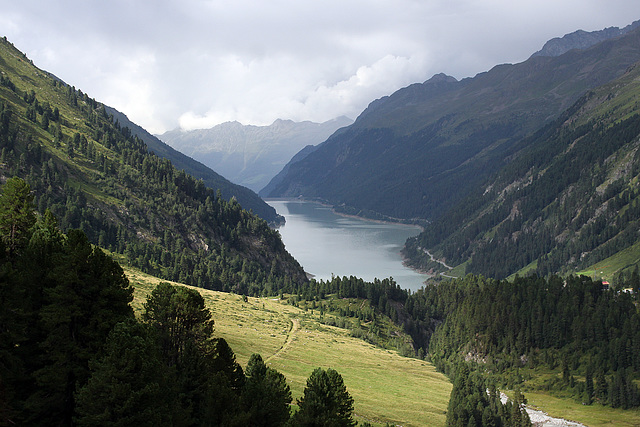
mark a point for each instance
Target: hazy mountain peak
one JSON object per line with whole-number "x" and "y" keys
{"x": 342, "y": 119}
{"x": 251, "y": 155}
{"x": 441, "y": 78}
{"x": 282, "y": 121}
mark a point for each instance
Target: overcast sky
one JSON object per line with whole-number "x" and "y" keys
{"x": 198, "y": 63}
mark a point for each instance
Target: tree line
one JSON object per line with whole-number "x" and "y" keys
{"x": 586, "y": 331}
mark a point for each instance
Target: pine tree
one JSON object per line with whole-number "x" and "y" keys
{"x": 588, "y": 390}
{"x": 206, "y": 380}
{"x": 518, "y": 415}
{"x": 16, "y": 214}
{"x": 325, "y": 401}
{"x": 602, "y": 387}
{"x": 88, "y": 294}
{"x": 128, "y": 384}
{"x": 266, "y": 395}
{"x": 178, "y": 315}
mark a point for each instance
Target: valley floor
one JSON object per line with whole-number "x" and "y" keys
{"x": 385, "y": 386}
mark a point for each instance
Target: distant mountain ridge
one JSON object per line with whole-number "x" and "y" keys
{"x": 582, "y": 39}
{"x": 251, "y": 155}
{"x": 417, "y": 152}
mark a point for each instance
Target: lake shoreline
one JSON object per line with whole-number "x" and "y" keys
{"x": 405, "y": 260}
{"x": 346, "y": 244}
{"x": 398, "y": 221}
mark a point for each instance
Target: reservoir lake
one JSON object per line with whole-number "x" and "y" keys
{"x": 326, "y": 243}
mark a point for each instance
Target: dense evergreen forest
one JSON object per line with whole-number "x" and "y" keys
{"x": 586, "y": 331}
{"x": 573, "y": 324}
{"x": 94, "y": 175}
{"x": 246, "y": 197}
{"x": 73, "y": 353}
{"x": 475, "y": 401}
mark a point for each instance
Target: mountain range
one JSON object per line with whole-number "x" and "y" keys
{"x": 529, "y": 166}
{"x": 422, "y": 151}
{"x": 567, "y": 199}
{"x": 251, "y": 155}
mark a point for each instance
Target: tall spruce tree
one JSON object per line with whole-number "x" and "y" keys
{"x": 87, "y": 295}
{"x": 266, "y": 395}
{"x": 178, "y": 315}
{"x": 60, "y": 297}
{"x": 128, "y": 384}
{"x": 325, "y": 401}
{"x": 17, "y": 214}
{"x": 206, "y": 381}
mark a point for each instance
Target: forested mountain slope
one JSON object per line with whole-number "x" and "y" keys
{"x": 570, "y": 335}
{"x": 248, "y": 199}
{"x": 424, "y": 148}
{"x": 95, "y": 175}
{"x": 568, "y": 198}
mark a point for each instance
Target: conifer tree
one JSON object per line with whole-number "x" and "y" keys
{"x": 325, "y": 401}
{"x": 128, "y": 384}
{"x": 178, "y": 315}
{"x": 59, "y": 299}
{"x": 16, "y": 214}
{"x": 87, "y": 296}
{"x": 602, "y": 387}
{"x": 206, "y": 381}
{"x": 588, "y": 390}
{"x": 266, "y": 395}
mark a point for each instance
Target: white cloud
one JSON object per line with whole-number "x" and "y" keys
{"x": 294, "y": 95}
{"x": 196, "y": 63}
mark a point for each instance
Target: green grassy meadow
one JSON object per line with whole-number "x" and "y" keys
{"x": 594, "y": 415}
{"x": 386, "y": 387}
{"x": 609, "y": 267}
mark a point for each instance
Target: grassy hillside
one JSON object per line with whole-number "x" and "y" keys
{"x": 609, "y": 268}
{"x": 386, "y": 387}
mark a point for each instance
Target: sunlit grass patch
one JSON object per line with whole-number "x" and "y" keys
{"x": 594, "y": 415}
{"x": 385, "y": 386}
